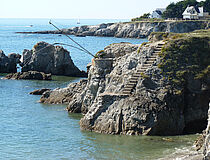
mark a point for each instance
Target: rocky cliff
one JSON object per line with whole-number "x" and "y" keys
{"x": 8, "y": 64}
{"x": 159, "y": 88}
{"x": 132, "y": 29}
{"x": 207, "y": 139}
{"x": 48, "y": 58}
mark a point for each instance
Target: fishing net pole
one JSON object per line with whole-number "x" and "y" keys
{"x": 82, "y": 48}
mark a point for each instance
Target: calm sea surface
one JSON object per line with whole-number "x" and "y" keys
{"x": 30, "y": 130}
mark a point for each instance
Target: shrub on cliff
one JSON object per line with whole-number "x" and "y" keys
{"x": 143, "y": 17}
{"x": 185, "y": 59}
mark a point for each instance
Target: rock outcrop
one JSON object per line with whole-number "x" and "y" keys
{"x": 63, "y": 95}
{"x": 30, "y": 75}
{"x": 39, "y": 91}
{"x": 152, "y": 89}
{"x": 156, "y": 106}
{"x": 8, "y": 64}
{"x": 207, "y": 139}
{"x": 132, "y": 29}
{"x": 52, "y": 59}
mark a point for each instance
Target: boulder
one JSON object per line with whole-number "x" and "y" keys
{"x": 8, "y": 64}
{"x": 31, "y": 75}
{"x": 52, "y": 59}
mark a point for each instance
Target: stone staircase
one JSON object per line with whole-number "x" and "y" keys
{"x": 129, "y": 87}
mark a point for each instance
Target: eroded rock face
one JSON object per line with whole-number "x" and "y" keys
{"x": 32, "y": 75}
{"x": 153, "y": 109}
{"x": 133, "y": 29}
{"x": 63, "y": 95}
{"x": 8, "y": 64}
{"x": 50, "y": 59}
{"x": 97, "y": 80}
{"x": 207, "y": 139}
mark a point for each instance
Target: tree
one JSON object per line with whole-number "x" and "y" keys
{"x": 206, "y": 6}
{"x": 144, "y": 16}
{"x": 175, "y": 10}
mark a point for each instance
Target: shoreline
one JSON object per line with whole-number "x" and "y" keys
{"x": 138, "y": 29}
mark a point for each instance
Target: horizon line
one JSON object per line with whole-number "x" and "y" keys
{"x": 72, "y": 18}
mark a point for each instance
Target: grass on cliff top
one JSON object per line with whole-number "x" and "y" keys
{"x": 186, "y": 56}
{"x": 173, "y": 36}
{"x": 162, "y": 20}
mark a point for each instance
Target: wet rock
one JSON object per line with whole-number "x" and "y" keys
{"x": 52, "y": 59}
{"x": 39, "y": 91}
{"x": 31, "y": 75}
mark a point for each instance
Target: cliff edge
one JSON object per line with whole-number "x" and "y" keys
{"x": 131, "y": 29}
{"x": 157, "y": 88}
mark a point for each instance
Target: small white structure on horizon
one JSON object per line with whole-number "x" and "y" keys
{"x": 157, "y": 13}
{"x": 194, "y": 13}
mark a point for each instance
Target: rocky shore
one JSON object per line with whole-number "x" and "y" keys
{"x": 157, "y": 88}
{"x": 30, "y": 75}
{"x": 131, "y": 29}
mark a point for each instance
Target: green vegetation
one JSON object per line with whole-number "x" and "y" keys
{"x": 186, "y": 56}
{"x": 175, "y": 10}
{"x": 157, "y": 36}
{"x": 143, "y": 17}
{"x": 144, "y": 76}
{"x": 139, "y": 49}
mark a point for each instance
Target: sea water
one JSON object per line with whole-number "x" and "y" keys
{"x": 33, "y": 131}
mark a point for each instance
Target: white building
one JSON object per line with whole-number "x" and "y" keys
{"x": 157, "y": 13}
{"x": 194, "y": 13}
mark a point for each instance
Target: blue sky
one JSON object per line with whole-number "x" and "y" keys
{"x": 82, "y": 9}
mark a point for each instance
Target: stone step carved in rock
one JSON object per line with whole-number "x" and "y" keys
{"x": 129, "y": 87}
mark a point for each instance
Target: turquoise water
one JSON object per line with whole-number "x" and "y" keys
{"x": 16, "y": 43}
{"x": 30, "y": 130}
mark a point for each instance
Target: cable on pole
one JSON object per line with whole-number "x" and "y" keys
{"x": 82, "y": 48}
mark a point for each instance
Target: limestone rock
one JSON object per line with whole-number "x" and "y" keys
{"x": 8, "y": 64}
{"x": 47, "y": 58}
{"x": 32, "y": 75}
